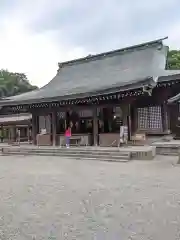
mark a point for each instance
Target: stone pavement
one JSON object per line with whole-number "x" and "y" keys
{"x": 56, "y": 198}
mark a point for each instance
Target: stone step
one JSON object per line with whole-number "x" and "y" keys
{"x": 140, "y": 153}
{"x": 83, "y": 149}
{"x": 88, "y": 153}
{"x": 125, "y": 156}
{"x": 73, "y": 151}
{"x": 99, "y": 154}
{"x": 104, "y": 159}
{"x": 167, "y": 148}
{"x": 78, "y": 156}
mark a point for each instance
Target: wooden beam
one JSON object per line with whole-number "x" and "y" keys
{"x": 95, "y": 127}
{"x": 53, "y": 119}
{"x": 165, "y": 120}
{"x": 34, "y": 128}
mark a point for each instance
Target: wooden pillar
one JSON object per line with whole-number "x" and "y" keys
{"x": 34, "y": 129}
{"x": 165, "y": 122}
{"x": 2, "y": 133}
{"x": 129, "y": 122}
{"x": 95, "y": 127}
{"x": 54, "y": 128}
{"x": 28, "y": 133}
{"x": 14, "y": 134}
{"x": 124, "y": 108}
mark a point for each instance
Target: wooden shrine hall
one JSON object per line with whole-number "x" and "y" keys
{"x": 97, "y": 94}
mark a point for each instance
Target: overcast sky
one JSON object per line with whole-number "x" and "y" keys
{"x": 37, "y": 34}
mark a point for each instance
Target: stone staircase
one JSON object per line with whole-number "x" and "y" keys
{"x": 83, "y": 153}
{"x": 171, "y": 148}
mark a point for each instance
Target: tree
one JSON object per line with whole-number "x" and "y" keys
{"x": 14, "y": 83}
{"x": 173, "y": 60}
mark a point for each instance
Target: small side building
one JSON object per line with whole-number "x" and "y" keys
{"x": 10, "y": 124}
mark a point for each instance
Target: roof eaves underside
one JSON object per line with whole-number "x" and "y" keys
{"x": 135, "y": 84}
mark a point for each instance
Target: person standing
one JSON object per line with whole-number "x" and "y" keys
{"x": 68, "y": 135}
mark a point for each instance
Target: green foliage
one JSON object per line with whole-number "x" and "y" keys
{"x": 13, "y": 83}
{"x": 173, "y": 60}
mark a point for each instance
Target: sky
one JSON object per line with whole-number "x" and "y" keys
{"x": 37, "y": 34}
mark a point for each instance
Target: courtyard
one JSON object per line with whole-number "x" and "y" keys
{"x": 56, "y": 198}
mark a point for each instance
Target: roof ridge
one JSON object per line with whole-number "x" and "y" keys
{"x": 95, "y": 56}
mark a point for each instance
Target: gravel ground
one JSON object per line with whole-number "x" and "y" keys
{"x": 53, "y": 198}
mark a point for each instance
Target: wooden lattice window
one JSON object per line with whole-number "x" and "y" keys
{"x": 61, "y": 115}
{"x": 150, "y": 118}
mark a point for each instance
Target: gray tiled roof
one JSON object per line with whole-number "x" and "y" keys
{"x": 167, "y": 75}
{"x": 116, "y": 70}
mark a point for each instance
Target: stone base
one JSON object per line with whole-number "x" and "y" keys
{"x": 96, "y": 153}
{"x": 167, "y": 148}
{"x": 144, "y": 155}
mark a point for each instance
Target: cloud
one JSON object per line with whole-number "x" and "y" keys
{"x": 36, "y": 55}
{"x": 37, "y": 34}
{"x": 106, "y": 24}
{"x": 174, "y": 33}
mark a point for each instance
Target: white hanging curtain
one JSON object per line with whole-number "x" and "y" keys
{"x": 45, "y": 123}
